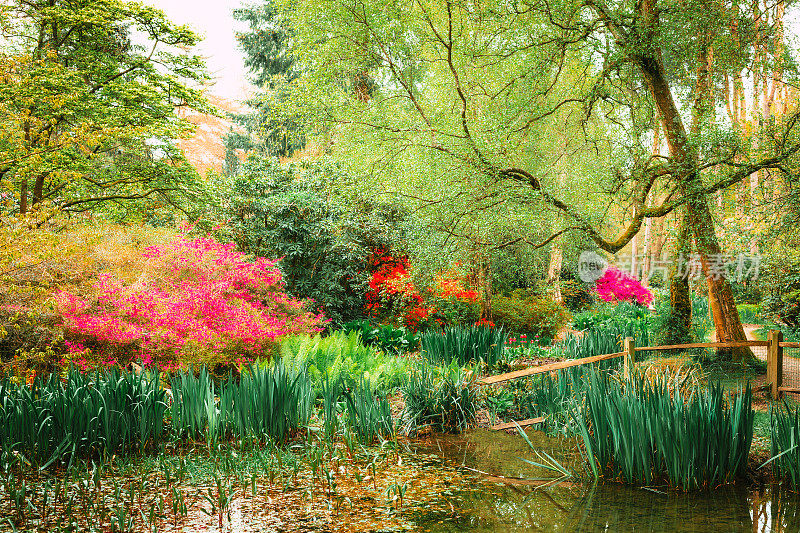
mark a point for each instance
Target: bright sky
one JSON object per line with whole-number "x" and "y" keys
{"x": 214, "y": 21}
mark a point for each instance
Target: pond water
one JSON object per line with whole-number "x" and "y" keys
{"x": 475, "y": 482}
{"x": 575, "y": 507}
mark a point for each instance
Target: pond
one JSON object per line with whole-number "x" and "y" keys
{"x": 473, "y": 482}
{"x": 576, "y": 507}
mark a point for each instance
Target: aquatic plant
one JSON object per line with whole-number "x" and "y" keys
{"x": 266, "y": 402}
{"x": 464, "y": 345}
{"x": 442, "y": 398}
{"x": 641, "y": 432}
{"x": 368, "y": 413}
{"x": 101, "y": 413}
{"x": 785, "y": 443}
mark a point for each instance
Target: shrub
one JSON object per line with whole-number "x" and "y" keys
{"x": 616, "y": 322}
{"x": 384, "y": 336}
{"x": 325, "y": 244}
{"x": 196, "y": 301}
{"x": 529, "y": 315}
{"x": 618, "y": 286}
{"x": 36, "y": 262}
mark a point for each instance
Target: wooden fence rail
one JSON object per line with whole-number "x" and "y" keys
{"x": 774, "y": 345}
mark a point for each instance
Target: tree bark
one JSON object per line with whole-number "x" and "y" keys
{"x": 554, "y": 269}
{"x": 23, "y": 197}
{"x": 684, "y": 156}
{"x": 679, "y": 324}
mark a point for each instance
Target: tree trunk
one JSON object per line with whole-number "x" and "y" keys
{"x": 679, "y": 324}
{"x": 554, "y": 269}
{"x": 720, "y": 297}
{"x": 23, "y": 197}
{"x": 683, "y": 156}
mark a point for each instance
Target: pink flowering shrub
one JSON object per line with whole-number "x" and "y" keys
{"x": 618, "y": 286}
{"x": 196, "y": 301}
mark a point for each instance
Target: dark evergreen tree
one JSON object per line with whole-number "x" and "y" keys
{"x": 272, "y": 67}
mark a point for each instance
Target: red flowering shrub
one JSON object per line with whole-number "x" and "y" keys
{"x": 454, "y": 304}
{"x": 394, "y": 295}
{"x": 196, "y": 301}
{"x": 618, "y": 286}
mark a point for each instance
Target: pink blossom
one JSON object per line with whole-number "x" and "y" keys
{"x": 616, "y": 285}
{"x": 196, "y": 294}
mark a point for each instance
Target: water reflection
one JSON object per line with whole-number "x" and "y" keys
{"x": 609, "y": 507}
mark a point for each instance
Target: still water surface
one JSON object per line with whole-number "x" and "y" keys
{"x": 574, "y": 507}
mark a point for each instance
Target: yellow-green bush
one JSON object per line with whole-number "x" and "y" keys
{"x": 37, "y": 261}
{"x": 528, "y": 314}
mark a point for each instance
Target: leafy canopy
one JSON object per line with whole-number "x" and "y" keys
{"x": 89, "y": 104}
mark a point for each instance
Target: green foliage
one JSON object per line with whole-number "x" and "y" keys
{"x": 89, "y": 115}
{"x": 547, "y": 395}
{"x": 440, "y": 398}
{"x": 642, "y": 432}
{"x": 267, "y": 402}
{"x": 623, "y": 316}
{"x": 99, "y": 414}
{"x": 528, "y": 314}
{"x": 574, "y": 292}
{"x": 293, "y": 212}
{"x": 464, "y": 345}
{"x": 785, "y": 443}
{"x": 750, "y": 314}
{"x": 595, "y": 342}
{"x": 702, "y": 323}
{"x": 368, "y": 414}
{"x": 342, "y": 357}
{"x": 384, "y": 337}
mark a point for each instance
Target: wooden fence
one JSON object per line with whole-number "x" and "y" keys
{"x": 774, "y": 345}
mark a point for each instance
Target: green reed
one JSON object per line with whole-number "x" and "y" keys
{"x": 642, "y": 432}
{"x": 464, "y": 345}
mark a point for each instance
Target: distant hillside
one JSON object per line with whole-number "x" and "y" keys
{"x": 206, "y": 150}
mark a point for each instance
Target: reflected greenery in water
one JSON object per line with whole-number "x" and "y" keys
{"x": 585, "y": 508}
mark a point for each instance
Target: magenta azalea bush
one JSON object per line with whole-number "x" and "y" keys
{"x": 618, "y": 286}
{"x": 196, "y": 301}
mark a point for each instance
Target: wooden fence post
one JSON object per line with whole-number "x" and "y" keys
{"x": 775, "y": 363}
{"x": 629, "y": 347}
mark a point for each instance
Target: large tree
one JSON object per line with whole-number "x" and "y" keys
{"x": 550, "y": 103}
{"x": 266, "y": 46}
{"x": 88, "y": 103}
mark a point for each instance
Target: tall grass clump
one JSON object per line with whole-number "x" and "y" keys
{"x": 644, "y": 432}
{"x": 368, "y": 413}
{"x": 266, "y": 402}
{"x": 343, "y": 356}
{"x": 442, "y": 398}
{"x": 594, "y": 342}
{"x": 272, "y": 402}
{"x": 785, "y": 438}
{"x": 552, "y": 396}
{"x": 103, "y": 413}
{"x": 464, "y": 345}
